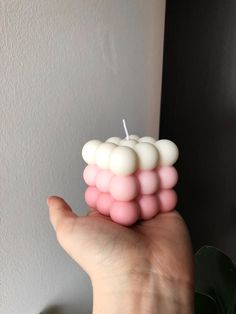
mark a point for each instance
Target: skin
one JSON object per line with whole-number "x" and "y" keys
{"x": 146, "y": 268}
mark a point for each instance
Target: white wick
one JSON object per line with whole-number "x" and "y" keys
{"x": 126, "y": 131}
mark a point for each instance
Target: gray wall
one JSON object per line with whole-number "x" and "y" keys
{"x": 69, "y": 71}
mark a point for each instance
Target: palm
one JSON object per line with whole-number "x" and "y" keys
{"x": 102, "y": 246}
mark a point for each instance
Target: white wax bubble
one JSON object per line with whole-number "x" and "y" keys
{"x": 103, "y": 155}
{"x": 128, "y": 143}
{"x": 147, "y": 156}
{"x": 114, "y": 140}
{"x": 168, "y": 152}
{"x": 123, "y": 161}
{"x": 147, "y": 139}
{"x": 133, "y": 137}
{"x": 89, "y": 150}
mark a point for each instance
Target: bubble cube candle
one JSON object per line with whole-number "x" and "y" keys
{"x": 132, "y": 178}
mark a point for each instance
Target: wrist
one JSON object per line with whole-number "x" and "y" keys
{"x": 142, "y": 292}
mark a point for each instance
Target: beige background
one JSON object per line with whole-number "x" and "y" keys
{"x": 69, "y": 71}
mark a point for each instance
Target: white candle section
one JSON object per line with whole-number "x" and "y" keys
{"x": 128, "y": 143}
{"x": 89, "y": 151}
{"x": 147, "y": 139}
{"x": 114, "y": 140}
{"x": 134, "y": 137}
{"x": 123, "y": 161}
{"x": 168, "y": 152}
{"x": 124, "y": 157}
{"x": 147, "y": 156}
{"x": 103, "y": 153}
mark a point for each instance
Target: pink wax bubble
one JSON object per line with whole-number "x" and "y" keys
{"x": 149, "y": 206}
{"x": 103, "y": 180}
{"x": 124, "y": 188}
{"x": 124, "y": 213}
{"x": 90, "y": 173}
{"x": 91, "y": 196}
{"x": 104, "y": 203}
{"x": 148, "y": 181}
{"x": 167, "y": 200}
{"x": 168, "y": 177}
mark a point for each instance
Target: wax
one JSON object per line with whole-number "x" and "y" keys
{"x": 168, "y": 177}
{"x": 91, "y": 196}
{"x": 167, "y": 200}
{"x": 103, "y": 180}
{"x": 89, "y": 150}
{"x": 147, "y": 156}
{"x": 131, "y": 178}
{"x": 90, "y": 173}
{"x": 123, "y": 161}
{"x": 134, "y": 137}
{"x": 129, "y": 143}
{"x": 125, "y": 213}
{"x": 147, "y": 139}
{"x": 104, "y": 203}
{"x": 149, "y": 206}
{"x": 114, "y": 139}
{"x": 124, "y": 188}
{"x": 103, "y": 154}
{"x": 168, "y": 152}
{"x": 148, "y": 181}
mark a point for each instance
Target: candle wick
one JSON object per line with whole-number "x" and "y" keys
{"x": 126, "y": 130}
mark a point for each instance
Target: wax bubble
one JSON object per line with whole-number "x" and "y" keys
{"x": 147, "y": 156}
{"x": 123, "y": 160}
{"x": 90, "y": 173}
{"x": 124, "y": 188}
{"x": 89, "y": 151}
{"x": 103, "y": 154}
{"x": 133, "y": 137}
{"x": 91, "y": 196}
{"x": 168, "y": 177}
{"x": 168, "y": 152}
{"x": 114, "y": 140}
{"x": 148, "y": 206}
{"x": 148, "y": 181}
{"x": 147, "y": 139}
{"x": 103, "y": 180}
{"x": 124, "y": 213}
{"x": 167, "y": 200}
{"x": 129, "y": 143}
{"x": 104, "y": 203}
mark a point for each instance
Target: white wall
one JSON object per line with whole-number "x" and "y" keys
{"x": 69, "y": 71}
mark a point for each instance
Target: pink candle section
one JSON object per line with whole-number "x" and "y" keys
{"x": 126, "y": 199}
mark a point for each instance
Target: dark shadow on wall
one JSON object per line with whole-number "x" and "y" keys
{"x": 54, "y": 309}
{"x": 63, "y": 309}
{"x": 199, "y": 114}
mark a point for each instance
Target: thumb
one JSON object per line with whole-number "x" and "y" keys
{"x": 59, "y": 212}
{"x": 70, "y": 230}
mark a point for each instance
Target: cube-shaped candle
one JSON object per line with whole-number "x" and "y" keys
{"x": 130, "y": 179}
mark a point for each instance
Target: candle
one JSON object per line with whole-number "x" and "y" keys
{"x": 132, "y": 178}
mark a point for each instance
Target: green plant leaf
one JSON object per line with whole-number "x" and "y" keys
{"x": 204, "y": 304}
{"x": 215, "y": 277}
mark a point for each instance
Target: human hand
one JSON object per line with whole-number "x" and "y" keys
{"x": 150, "y": 261}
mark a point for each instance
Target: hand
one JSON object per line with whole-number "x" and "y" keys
{"x": 153, "y": 257}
